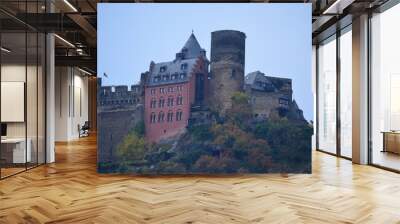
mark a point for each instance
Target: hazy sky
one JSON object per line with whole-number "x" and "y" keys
{"x": 278, "y": 42}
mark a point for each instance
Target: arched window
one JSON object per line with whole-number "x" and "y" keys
{"x": 179, "y": 115}
{"x": 161, "y": 102}
{"x": 153, "y": 118}
{"x": 170, "y": 101}
{"x": 170, "y": 116}
{"x": 179, "y": 88}
{"x": 161, "y": 116}
{"x": 179, "y": 100}
{"x": 153, "y": 103}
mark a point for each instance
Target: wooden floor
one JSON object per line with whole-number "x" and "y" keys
{"x": 70, "y": 191}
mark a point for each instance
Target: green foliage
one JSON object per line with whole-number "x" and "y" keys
{"x": 240, "y": 114}
{"x": 234, "y": 144}
{"x": 200, "y": 132}
{"x": 132, "y": 148}
{"x": 290, "y": 142}
{"x": 139, "y": 129}
{"x": 240, "y": 98}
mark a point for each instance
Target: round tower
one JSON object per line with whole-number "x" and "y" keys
{"x": 227, "y": 68}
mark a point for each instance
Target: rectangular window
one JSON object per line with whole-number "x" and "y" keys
{"x": 179, "y": 100}
{"x": 179, "y": 115}
{"x": 161, "y": 117}
{"x": 169, "y": 117}
{"x": 385, "y": 88}
{"x": 161, "y": 103}
{"x": 327, "y": 95}
{"x": 346, "y": 94}
{"x": 179, "y": 88}
{"x": 184, "y": 66}
{"x": 283, "y": 101}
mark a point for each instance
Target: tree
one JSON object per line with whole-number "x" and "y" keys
{"x": 132, "y": 148}
{"x": 240, "y": 113}
{"x": 139, "y": 129}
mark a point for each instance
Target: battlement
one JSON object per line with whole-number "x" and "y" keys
{"x": 120, "y": 90}
{"x": 121, "y": 96}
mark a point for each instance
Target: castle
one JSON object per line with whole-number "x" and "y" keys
{"x": 169, "y": 93}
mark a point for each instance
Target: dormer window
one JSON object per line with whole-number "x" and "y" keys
{"x": 165, "y": 77}
{"x": 163, "y": 68}
{"x": 156, "y": 79}
{"x": 182, "y": 75}
{"x": 184, "y": 66}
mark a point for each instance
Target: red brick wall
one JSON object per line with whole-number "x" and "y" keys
{"x": 160, "y": 130}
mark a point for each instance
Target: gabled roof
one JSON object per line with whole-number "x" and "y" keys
{"x": 192, "y": 48}
{"x": 259, "y": 81}
{"x": 252, "y": 77}
{"x": 181, "y": 67}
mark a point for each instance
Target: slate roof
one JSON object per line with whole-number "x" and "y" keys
{"x": 172, "y": 71}
{"x": 192, "y": 48}
{"x": 259, "y": 81}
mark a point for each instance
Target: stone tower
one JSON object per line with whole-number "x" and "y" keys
{"x": 227, "y": 68}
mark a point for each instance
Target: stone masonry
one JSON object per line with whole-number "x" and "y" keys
{"x": 118, "y": 111}
{"x": 227, "y": 68}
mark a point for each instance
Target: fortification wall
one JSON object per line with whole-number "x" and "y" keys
{"x": 227, "y": 68}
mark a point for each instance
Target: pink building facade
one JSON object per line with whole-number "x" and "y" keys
{"x": 172, "y": 89}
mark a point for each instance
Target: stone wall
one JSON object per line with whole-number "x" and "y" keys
{"x": 266, "y": 103}
{"x": 227, "y": 68}
{"x": 113, "y": 126}
{"x": 119, "y": 109}
{"x": 117, "y": 97}
{"x": 279, "y": 103}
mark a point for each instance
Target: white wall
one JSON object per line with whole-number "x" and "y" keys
{"x": 33, "y": 126}
{"x": 16, "y": 72}
{"x": 327, "y": 96}
{"x": 71, "y": 102}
